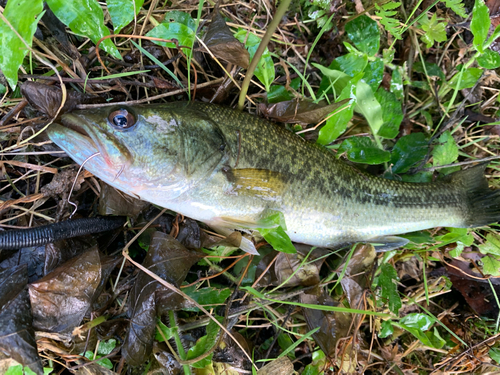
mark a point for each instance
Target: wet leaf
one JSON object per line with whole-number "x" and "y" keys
{"x": 17, "y": 337}
{"x": 417, "y": 324}
{"x": 47, "y": 99}
{"x": 122, "y": 12}
{"x": 364, "y": 33}
{"x": 295, "y": 111}
{"x": 176, "y": 25}
{"x": 333, "y": 325}
{"x": 61, "y": 299}
{"x": 489, "y": 59}
{"x": 333, "y": 81}
{"x": 22, "y": 15}
{"x": 207, "y": 297}
{"x": 408, "y": 151}
{"x": 434, "y": 31}
{"x": 351, "y": 64}
{"x": 373, "y": 73}
{"x": 279, "y": 93}
{"x": 480, "y": 24}
{"x": 273, "y": 230}
{"x": 368, "y": 106}
{"x": 386, "y": 330}
{"x": 363, "y": 150}
{"x": 392, "y": 114}
{"x": 265, "y": 68}
{"x": 221, "y": 42}
{"x": 84, "y": 17}
{"x": 171, "y": 261}
{"x": 388, "y": 283}
{"x": 431, "y": 69}
{"x": 397, "y": 83}
{"x": 446, "y": 150}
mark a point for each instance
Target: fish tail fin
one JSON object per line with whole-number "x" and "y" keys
{"x": 483, "y": 203}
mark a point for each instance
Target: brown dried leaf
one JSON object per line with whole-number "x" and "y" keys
{"x": 17, "y": 337}
{"x": 303, "y": 111}
{"x": 171, "y": 261}
{"x": 221, "y": 42}
{"x": 47, "y": 99}
{"x": 61, "y": 299}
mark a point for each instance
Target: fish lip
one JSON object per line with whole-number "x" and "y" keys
{"x": 73, "y": 123}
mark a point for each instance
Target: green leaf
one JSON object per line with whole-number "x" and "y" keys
{"x": 265, "y": 68}
{"x": 455, "y": 235}
{"x": 492, "y": 244}
{"x": 392, "y": 113}
{"x": 84, "y": 17}
{"x": 284, "y": 341}
{"x": 408, "y": 151}
{"x": 373, "y": 73}
{"x": 122, "y": 12}
{"x": 457, "y": 6}
{"x": 364, "y": 33}
{"x": 176, "y": 25}
{"x": 491, "y": 266}
{"x": 389, "y": 289}
{"x": 387, "y": 13}
{"x": 106, "y": 347}
{"x": 480, "y": 24}
{"x": 333, "y": 81}
{"x": 167, "y": 332}
{"x": 416, "y": 324}
{"x": 350, "y": 63}
{"x": 22, "y": 15}
{"x": 489, "y": 59}
{"x": 386, "y": 330}
{"x": 204, "y": 344}
{"x": 494, "y": 353}
{"x": 279, "y": 93}
{"x": 363, "y": 150}
{"x": 434, "y": 31}
{"x": 368, "y": 106}
{"x": 469, "y": 79}
{"x": 431, "y": 69}
{"x": 273, "y": 228}
{"x": 207, "y": 296}
{"x": 446, "y": 151}
{"x": 397, "y": 82}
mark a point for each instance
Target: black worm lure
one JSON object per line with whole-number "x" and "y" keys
{"x": 16, "y": 239}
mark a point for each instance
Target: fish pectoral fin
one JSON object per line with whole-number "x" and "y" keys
{"x": 388, "y": 243}
{"x": 260, "y": 183}
{"x": 222, "y": 228}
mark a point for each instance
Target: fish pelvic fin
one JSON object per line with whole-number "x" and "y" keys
{"x": 388, "y": 243}
{"x": 482, "y": 203}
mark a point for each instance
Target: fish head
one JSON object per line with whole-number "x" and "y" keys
{"x": 142, "y": 149}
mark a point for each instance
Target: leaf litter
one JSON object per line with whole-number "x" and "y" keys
{"x": 83, "y": 306}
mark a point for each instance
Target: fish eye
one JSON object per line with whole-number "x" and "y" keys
{"x": 121, "y": 119}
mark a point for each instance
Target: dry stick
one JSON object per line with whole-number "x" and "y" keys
{"x": 262, "y": 47}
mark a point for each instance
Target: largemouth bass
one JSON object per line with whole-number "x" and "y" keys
{"x": 230, "y": 170}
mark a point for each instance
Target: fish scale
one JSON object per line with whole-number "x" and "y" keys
{"x": 230, "y": 170}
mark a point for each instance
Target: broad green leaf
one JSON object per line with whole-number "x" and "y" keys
{"x": 457, "y": 234}
{"x": 350, "y": 63}
{"x": 469, "y": 79}
{"x": 84, "y": 17}
{"x": 337, "y": 124}
{"x": 273, "y": 229}
{"x": 373, "y": 73}
{"x": 389, "y": 289}
{"x": 491, "y": 266}
{"x": 494, "y": 353}
{"x": 333, "y": 81}
{"x": 265, "y": 68}
{"x": 416, "y": 324}
{"x": 204, "y": 344}
{"x": 386, "y": 330}
{"x": 493, "y": 36}
{"x": 368, "y": 106}
{"x": 279, "y": 93}
{"x": 22, "y": 15}
{"x": 397, "y": 82}
{"x": 176, "y": 25}
{"x": 168, "y": 332}
{"x": 363, "y": 150}
{"x": 492, "y": 244}
{"x": 431, "y": 69}
{"x": 433, "y": 30}
{"x": 480, "y": 24}
{"x": 364, "y": 33}
{"x": 122, "y": 12}
{"x": 106, "y": 347}
{"x": 489, "y": 59}
{"x": 408, "y": 151}
{"x": 446, "y": 150}
{"x": 207, "y": 296}
{"x": 392, "y": 114}
{"x": 18, "y": 370}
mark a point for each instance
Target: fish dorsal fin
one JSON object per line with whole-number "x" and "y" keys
{"x": 259, "y": 183}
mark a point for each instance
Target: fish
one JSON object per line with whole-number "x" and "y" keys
{"x": 231, "y": 170}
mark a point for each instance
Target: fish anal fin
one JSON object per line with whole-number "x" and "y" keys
{"x": 388, "y": 243}
{"x": 259, "y": 183}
